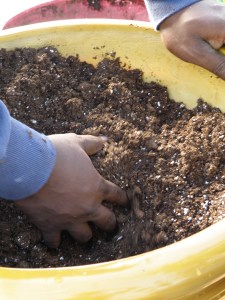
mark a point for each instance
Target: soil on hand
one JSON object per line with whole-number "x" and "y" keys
{"x": 171, "y": 160}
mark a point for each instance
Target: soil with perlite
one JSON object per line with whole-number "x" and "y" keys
{"x": 169, "y": 159}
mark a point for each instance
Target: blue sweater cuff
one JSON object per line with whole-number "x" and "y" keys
{"x": 27, "y": 158}
{"x": 159, "y": 10}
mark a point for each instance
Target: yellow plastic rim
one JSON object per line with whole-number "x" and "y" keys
{"x": 191, "y": 269}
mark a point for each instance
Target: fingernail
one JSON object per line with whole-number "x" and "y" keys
{"x": 104, "y": 138}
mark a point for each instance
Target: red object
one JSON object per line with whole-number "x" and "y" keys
{"x": 80, "y": 9}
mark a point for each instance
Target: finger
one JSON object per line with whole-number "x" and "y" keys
{"x": 112, "y": 193}
{"x": 92, "y": 144}
{"x": 52, "y": 238}
{"x": 80, "y": 232}
{"x": 104, "y": 218}
{"x": 203, "y": 54}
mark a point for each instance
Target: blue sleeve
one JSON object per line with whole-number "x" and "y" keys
{"x": 27, "y": 158}
{"x": 159, "y": 10}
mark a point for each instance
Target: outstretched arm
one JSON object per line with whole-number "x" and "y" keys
{"x": 193, "y": 31}
{"x": 52, "y": 179}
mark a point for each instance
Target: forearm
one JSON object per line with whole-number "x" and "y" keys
{"x": 159, "y": 10}
{"x": 26, "y": 158}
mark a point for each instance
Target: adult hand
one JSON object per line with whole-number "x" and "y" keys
{"x": 195, "y": 33}
{"x": 73, "y": 195}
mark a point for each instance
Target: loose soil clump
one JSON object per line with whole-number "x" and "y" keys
{"x": 169, "y": 159}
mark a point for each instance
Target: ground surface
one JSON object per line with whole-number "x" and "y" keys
{"x": 170, "y": 160}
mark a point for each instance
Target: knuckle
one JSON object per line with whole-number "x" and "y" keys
{"x": 169, "y": 45}
{"x": 89, "y": 211}
{"x": 169, "y": 40}
{"x": 85, "y": 237}
{"x": 103, "y": 187}
{"x": 72, "y": 137}
{"x": 110, "y": 222}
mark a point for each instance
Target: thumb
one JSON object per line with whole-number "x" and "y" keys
{"x": 202, "y": 53}
{"x": 219, "y": 65}
{"x": 212, "y": 59}
{"x": 92, "y": 144}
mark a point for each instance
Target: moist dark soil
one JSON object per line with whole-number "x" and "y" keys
{"x": 170, "y": 159}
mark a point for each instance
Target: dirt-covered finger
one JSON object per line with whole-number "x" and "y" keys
{"x": 113, "y": 193}
{"x": 92, "y": 144}
{"x": 52, "y": 238}
{"x": 104, "y": 218}
{"x": 82, "y": 233}
{"x": 210, "y": 59}
{"x": 201, "y": 53}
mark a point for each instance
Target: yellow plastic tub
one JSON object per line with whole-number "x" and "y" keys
{"x": 193, "y": 268}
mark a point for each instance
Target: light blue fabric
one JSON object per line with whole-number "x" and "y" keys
{"x": 159, "y": 10}
{"x": 27, "y": 158}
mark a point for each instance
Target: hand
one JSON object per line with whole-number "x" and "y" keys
{"x": 73, "y": 195}
{"x": 195, "y": 33}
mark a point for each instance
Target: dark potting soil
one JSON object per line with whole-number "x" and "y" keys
{"x": 171, "y": 160}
